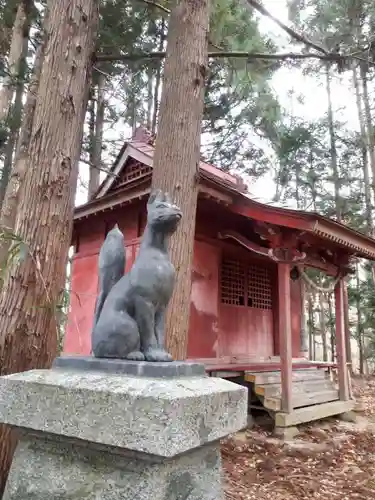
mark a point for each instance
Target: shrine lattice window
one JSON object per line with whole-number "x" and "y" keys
{"x": 135, "y": 170}
{"x": 259, "y": 289}
{"x": 232, "y": 283}
{"x": 246, "y": 285}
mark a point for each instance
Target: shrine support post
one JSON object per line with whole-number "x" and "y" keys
{"x": 285, "y": 335}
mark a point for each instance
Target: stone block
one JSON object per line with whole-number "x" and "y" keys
{"x": 100, "y": 434}
{"x": 286, "y": 433}
{"x": 158, "y": 416}
{"x": 348, "y": 416}
{"x": 126, "y": 367}
{"x": 51, "y": 469}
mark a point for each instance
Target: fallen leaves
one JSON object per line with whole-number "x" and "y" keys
{"x": 327, "y": 460}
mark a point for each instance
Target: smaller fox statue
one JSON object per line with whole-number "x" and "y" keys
{"x": 130, "y": 309}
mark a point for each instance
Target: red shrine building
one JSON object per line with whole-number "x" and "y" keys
{"x": 246, "y": 314}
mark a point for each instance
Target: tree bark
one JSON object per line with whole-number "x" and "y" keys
{"x": 34, "y": 285}
{"x": 10, "y": 205}
{"x": 333, "y": 152}
{"x": 97, "y": 146}
{"x": 91, "y": 113}
{"x": 155, "y": 110}
{"x": 15, "y": 122}
{"x": 20, "y": 30}
{"x": 177, "y": 152}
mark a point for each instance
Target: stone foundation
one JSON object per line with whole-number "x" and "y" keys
{"x": 92, "y": 435}
{"x": 46, "y": 468}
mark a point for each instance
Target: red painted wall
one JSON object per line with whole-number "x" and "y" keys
{"x": 203, "y": 339}
{"x": 84, "y": 286}
{"x": 247, "y": 332}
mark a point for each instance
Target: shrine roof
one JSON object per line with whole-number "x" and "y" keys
{"x": 238, "y": 200}
{"x": 144, "y": 153}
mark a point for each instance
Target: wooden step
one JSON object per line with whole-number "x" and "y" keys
{"x": 299, "y": 386}
{"x": 302, "y": 400}
{"x": 315, "y": 412}
{"x": 263, "y": 378}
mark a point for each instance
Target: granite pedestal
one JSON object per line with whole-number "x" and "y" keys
{"x": 114, "y": 430}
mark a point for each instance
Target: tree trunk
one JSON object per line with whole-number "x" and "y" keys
{"x": 365, "y": 150}
{"x": 95, "y": 166}
{"x": 10, "y": 205}
{"x": 6, "y": 27}
{"x": 333, "y": 152}
{"x": 91, "y": 113}
{"x": 15, "y": 122}
{"x": 20, "y": 30}
{"x": 158, "y": 81}
{"x": 34, "y": 285}
{"x": 332, "y": 328}
{"x": 150, "y": 96}
{"x": 323, "y": 327}
{"x": 347, "y": 327}
{"x": 368, "y": 119}
{"x": 177, "y": 152}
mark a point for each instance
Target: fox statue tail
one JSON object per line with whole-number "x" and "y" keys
{"x": 112, "y": 261}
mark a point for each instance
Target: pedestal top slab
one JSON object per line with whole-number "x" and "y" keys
{"x": 136, "y": 368}
{"x": 158, "y": 416}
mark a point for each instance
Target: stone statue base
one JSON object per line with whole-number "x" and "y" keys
{"x": 96, "y": 433}
{"x": 154, "y": 369}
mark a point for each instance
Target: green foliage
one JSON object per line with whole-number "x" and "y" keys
{"x": 239, "y": 100}
{"x": 239, "y": 103}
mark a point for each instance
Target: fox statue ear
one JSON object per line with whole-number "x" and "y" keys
{"x": 156, "y": 194}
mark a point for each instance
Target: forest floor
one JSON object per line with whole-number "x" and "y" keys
{"x": 330, "y": 459}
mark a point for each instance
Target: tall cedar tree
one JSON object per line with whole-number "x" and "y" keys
{"x": 9, "y": 206}
{"x": 20, "y": 28}
{"x": 177, "y": 153}
{"x": 33, "y": 287}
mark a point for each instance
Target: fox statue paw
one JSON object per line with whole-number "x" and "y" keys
{"x": 136, "y": 356}
{"x": 156, "y": 354}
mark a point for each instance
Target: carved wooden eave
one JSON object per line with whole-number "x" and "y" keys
{"x": 292, "y": 255}
{"x": 342, "y": 237}
{"x": 277, "y": 254}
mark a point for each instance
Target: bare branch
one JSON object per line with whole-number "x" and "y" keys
{"x": 108, "y": 171}
{"x": 157, "y": 5}
{"x": 302, "y": 39}
{"x": 221, "y": 55}
{"x": 292, "y": 33}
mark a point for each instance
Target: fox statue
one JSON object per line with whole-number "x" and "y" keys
{"x": 130, "y": 310}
